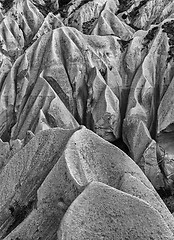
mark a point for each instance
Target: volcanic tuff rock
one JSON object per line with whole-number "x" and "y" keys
{"x": 103, "y": 212}
{"x": 37, "y": 200}
{"x": 83, "y": 83}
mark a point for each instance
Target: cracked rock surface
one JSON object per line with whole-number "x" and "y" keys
{"x": 86, "y": 119}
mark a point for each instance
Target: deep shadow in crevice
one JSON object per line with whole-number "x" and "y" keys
{"x": 163, "y": 192}
{"x": 63, "y": 3}
{"x": 6, "y": 135}
{"x": 120, "y": 144}
{"x": 19, "y": 213}
{"x": 7, "y": 4}
{"x": 124, "y": 5}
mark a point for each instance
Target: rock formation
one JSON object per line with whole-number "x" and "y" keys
{"x": 86, "y": 119}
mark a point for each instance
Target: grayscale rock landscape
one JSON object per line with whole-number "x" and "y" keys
{"x": 87, "y": 120}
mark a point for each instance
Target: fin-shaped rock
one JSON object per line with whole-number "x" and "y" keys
{"x": 104, "y": 212}
{"x": 25, "y": 172}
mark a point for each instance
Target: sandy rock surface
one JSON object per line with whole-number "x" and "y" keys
{"x": 103, "y": 212}
{"x": 86, "y": 119}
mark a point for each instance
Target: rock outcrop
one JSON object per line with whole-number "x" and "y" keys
{"x": 86, "y": 119}
{"x": 69, "y": 160}
{"x": 103, "y": 212}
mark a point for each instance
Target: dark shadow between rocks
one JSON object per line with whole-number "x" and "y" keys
{"x": 19, "y": 213}
{"x": 7, "y": 4}
{"x": 120, "y": 144}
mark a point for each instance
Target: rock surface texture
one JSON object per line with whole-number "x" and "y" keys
{"x": 86, "y": 120}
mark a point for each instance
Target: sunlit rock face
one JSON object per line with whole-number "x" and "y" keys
{"x": 86, "y": 118}
{"x": 105, "y": 212}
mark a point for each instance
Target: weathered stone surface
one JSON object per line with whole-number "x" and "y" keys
{"x": 109, "y": 24}
{"x": 147, "y": 89}
{"x": 4, "y": 150}
{"x": 86, "y": 158}
{"x": 50, "y": 22}
{"x": 27, "y": 17}
{"x": 86, "y": 13}
{"x": 102, "y": 107}
{"x": 25, "y": 172}
{"x": 94, "y": 159}
{"x": 105, "y": 64}
{"x": 54, "y": 196}
{"x": 50, "y": 92}
{"x": 132, "y": 185}
{"x": 143, "y": 13}
{"x": 104, "y": 212}
{"x": 165, "y": 111}
{"x": 150, "y": 163}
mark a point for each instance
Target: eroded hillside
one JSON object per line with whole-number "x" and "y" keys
{"x": 86, "y": 119}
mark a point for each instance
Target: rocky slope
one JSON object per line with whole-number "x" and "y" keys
{"x": 86, "y": 119}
